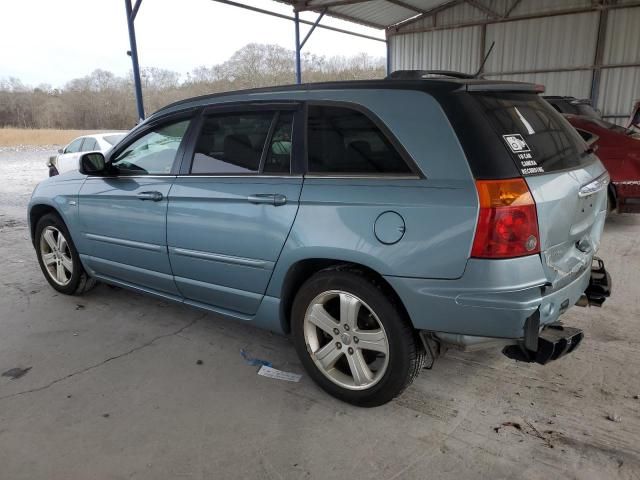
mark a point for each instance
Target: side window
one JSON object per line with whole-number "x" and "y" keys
{"x": 153, "y": 153}
{"x": 343, "y": 140}
{"x": 89, "y": 144}
{"x": 231, "y": 143}
{"x": 74, "y": 146}
{"x": 278, "y": 159}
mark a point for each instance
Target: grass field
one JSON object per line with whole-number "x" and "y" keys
{"x": 47, "y": 136}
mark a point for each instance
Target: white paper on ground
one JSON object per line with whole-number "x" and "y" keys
{"x": 278, "y": 374}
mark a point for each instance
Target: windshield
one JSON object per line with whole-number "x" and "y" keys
{"x": 113, "y": 139}
{"x": 537, "y": 137}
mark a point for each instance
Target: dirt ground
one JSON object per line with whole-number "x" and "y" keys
{"x": 124, "y": 386}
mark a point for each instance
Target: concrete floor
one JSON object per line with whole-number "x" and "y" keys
{"x": 115, "y": 391}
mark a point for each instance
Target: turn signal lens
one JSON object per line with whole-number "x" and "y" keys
{"x": 507, "y": 222}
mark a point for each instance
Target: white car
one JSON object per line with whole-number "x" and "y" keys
{"x": 68, "y": 158}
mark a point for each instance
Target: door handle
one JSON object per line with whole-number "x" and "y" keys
{"x": 275, "y": 199}
{"x": 154, "y": 196}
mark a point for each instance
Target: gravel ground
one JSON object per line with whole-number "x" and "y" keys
{"x": 116, "y": 385}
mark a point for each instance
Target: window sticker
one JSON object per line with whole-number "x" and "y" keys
{"x": 521, "y": 150}
{"x": 516, "y": 143}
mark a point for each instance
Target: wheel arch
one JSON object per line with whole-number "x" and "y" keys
{"x": 300, "y": 271}
{"x": 36, "y": 212}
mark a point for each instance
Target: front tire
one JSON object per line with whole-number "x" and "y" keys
{"x": 58, "y": 257}
{"x": 353, "y": 339}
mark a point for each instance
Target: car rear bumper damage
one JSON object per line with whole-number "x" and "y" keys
{"x": 524, "y": 322}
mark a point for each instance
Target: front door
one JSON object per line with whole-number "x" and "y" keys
{"x": 231, "y": 209}
{"x": 123, "y": 215}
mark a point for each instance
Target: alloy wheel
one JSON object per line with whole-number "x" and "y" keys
{"x": 346, "y": 340}
{"x": 56, "y": 255}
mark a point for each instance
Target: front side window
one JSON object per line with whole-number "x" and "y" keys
{"x": 345, "y": 141}
{"x": 74, "y": 146}
{"x": 153, "y": 153}
{"x": 231, "y": 143}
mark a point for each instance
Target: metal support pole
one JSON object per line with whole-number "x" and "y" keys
{"x": 388, "y": 56}
{"x": 598, "y": 57}
{"x": 134, "y": 55}
{"x": 313, "y": 27}
{"x": 298, "y": 65}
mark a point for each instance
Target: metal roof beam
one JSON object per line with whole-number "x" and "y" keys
{"x": 306, "y": 22}
{"x": 482, "y": 7}
{"x": 395, "y": 29}
{"x": 308, "y": 5}
{"x": 427, "y": 13}
{"x": 313, "y": 27}
{"x": 135, "y": 9}
{"x": 408, "y": 6}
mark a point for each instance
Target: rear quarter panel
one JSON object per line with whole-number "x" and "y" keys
{"x": 337, "y": 215}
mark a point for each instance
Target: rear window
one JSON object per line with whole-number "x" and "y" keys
{"x": 537, "y": 137}
{"x": 113, "y": 139}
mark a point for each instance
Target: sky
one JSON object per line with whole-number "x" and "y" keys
{"x": 53, "y": 41}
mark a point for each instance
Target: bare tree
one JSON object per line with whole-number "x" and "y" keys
{"x": 102, "y": 100}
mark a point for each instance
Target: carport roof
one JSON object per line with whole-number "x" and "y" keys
{"x": 379, "y": 14}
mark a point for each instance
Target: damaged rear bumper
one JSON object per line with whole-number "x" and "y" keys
{"x": 556, "y": 340}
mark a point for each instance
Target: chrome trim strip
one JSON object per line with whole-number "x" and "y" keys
{"x": 125, "y": 243}
{"x": 102, "y": 177}
{"x": 216, "y": 257}
{"x": 364, "y": 177}
{"x": 248, "y": 176}
{"x": 594, "y": 186}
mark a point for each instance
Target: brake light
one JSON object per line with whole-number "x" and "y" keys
{"x": 507, "y": 222}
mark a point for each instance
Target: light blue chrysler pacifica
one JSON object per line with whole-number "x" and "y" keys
{"x": 379, "y": 223}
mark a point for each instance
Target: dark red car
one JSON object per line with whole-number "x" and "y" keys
{"x": 619, "y": 150}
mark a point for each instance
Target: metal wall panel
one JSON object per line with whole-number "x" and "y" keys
{"x": 622, "y": 44}
{"x": 546, "y": 43}
{"x": 526, "y": 7}
{"x": 543, "y": 43}
{"x": 619, "y": 88}
{"x": 457, "y": 49}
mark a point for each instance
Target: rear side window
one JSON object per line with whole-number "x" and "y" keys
{"x": 345, "y": 141}
{"x": 89, "y": 144}
{"x": 231, "y": 143}
{"x": 537, "y": 137}
{"x": 113, "y": 139}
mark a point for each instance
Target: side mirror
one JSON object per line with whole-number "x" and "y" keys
{"x": 92, "y": 163}
{"x": 60, "y": 150}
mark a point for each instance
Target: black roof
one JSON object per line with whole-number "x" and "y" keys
{"x": 440, "y": 84}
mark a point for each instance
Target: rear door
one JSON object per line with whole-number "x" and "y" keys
{"x": 233, "y": 205}
{"x": 568, "y": 182}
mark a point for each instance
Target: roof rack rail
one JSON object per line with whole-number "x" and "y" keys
{"x": 423, "y": 74}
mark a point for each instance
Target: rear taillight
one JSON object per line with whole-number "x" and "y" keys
{"x": 507, "y": 222}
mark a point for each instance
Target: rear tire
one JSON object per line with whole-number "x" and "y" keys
{"x": 58, "y": 257}
{"x": 370, "y": 355}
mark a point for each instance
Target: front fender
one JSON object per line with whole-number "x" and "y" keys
{"x": 59, "y": 194}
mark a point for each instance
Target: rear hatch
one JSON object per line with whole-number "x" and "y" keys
{"x": 567, "y": 181}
